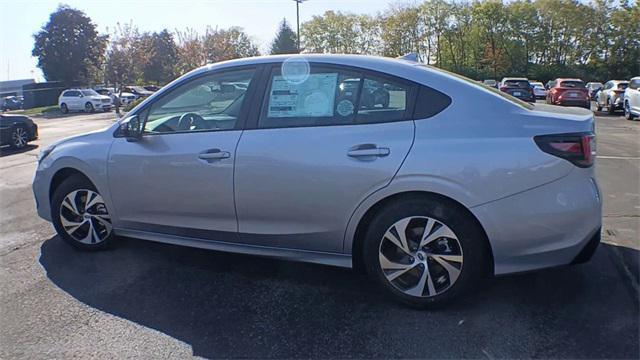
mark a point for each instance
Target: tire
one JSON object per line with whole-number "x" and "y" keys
{"x": 610, "y": 108}
{"x": 19, "y": 137}
{"x": 627, "y": 111}
{"x": 464, "y": 241}
{"x": 78, "y": 222}
{"x": 64, "y": 108}
{"x": 88, "y": 108}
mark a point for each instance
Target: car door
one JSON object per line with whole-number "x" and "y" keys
{"x": 322, "y": 142}
{"x": 178, "y": 178}
{"x": 634, "y": 95}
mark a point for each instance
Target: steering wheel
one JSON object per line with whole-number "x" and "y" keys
{"x": 191, "y": 120}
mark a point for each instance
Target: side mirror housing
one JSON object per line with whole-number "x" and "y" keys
{"x": 130, "y": 128}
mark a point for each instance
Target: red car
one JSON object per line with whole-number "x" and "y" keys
{"x": 569, "y": 92}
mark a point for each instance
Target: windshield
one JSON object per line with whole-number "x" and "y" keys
{"x": 495, "y": 91}
{"x": 572, "y": 84}
{"x": 89, "y": 93}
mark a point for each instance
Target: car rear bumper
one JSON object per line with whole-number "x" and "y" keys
{"x": 579, "y": 103}
{"x": 546, "y": 226}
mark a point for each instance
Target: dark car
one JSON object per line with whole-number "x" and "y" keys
{"x": 17, "y": 130}
{"x": 518, "y": 87}
{"x": 569, "y": 92}
{"x": 152, "y": 88}
{"x": 11, "y": 103}
{"x": 138, "y": 91}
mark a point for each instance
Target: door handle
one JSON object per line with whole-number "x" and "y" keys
{"x": 214, "y": 154}
{"x": 368, "y": 150}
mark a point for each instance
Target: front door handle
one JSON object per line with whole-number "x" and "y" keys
{"x": 368, "y": 151}
{"x": 214, "y": 154}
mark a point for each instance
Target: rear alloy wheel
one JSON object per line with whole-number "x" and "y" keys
{"x": 19, "y": 137}
{"x": 424, "y": 252}
{"x": 88, "y": 107}
{"x": 64, "y": 108}
{"x": 627, "y": 111}
{"x": 80, "y": 215}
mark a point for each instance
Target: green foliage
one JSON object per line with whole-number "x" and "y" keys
{"x": 133, "y": 104}
{"x": 69, "y": 48}
{"x": 541, "y": 39}
{"x": 285, "y": 41}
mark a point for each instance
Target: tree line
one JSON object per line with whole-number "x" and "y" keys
{"x": 541, "y": 39}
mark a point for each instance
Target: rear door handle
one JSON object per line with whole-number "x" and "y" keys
{"x": 214, "y": 154}
{"x": 368, "y": 150}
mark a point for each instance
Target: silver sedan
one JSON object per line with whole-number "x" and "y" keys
{"x": 427, "y": 180}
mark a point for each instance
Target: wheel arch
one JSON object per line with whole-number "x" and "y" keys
{"x": 363, "y": 222}
{"x": 63, "y": 174}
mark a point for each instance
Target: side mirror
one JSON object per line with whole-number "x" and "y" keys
{"x": 130, "y": 128}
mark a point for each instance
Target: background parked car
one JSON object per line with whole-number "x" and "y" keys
{"x": 593, "y": 88}
{"x": 569, "y": 92}
{"x": 17, "y": 130}
{"x": 152, "y": 88}
{"x": 538, "y": 90}
{"x": 86, "y": 100}
{"x": 138, "y": 91}
{"x": 518, "y": 87}
{"x": 11, "y": 103}
{"x": 611, "y": 96}
{"x": 632, "y": 99}
{"x": 490, "y": 82}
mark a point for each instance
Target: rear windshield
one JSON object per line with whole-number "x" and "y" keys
{"x": 502, "y": 94}
{"x": 517, "y": 83}
{"x": 572, "y": 84}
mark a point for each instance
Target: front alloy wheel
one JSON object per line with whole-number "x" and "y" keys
{"x": 19, "y": 138}
{"x": 84, "y": 217}
{"x": 420, "y": 256}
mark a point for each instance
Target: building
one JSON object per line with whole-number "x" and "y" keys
{"x": 14, "y": 87}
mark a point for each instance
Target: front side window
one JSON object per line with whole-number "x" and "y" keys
{"x": 332, "y": 96}
{"x": 209, "y": 103}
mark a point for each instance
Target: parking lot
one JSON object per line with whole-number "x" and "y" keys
{"x": 159, "y": 301}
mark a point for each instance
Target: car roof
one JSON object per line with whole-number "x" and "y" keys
{"x": 568, "y": 79}
{"x": 514, "y": 78}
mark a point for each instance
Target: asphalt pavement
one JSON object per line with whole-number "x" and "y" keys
{"x": 151, "y": 300}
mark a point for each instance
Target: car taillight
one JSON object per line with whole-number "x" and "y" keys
{"x": 579, "y": 149}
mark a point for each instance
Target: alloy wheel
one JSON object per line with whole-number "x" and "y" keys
{"x": 19, "y": 137}
{"x": 88, "y": 107}
{"x": 420, "y": 256}
{"x": 84, "y": 216}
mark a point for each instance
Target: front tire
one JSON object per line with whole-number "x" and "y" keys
{"x": 80, "y": 215}
{"x": 64, "y": 108}
{"x": 424, "y": 252}
{"x": 88, "y": 107}
{"x": 627, "y": 111}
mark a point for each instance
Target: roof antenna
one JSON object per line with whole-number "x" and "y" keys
{"x": 413, "y": 57}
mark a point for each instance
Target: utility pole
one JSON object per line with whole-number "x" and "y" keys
{"x": 298, "y": 21}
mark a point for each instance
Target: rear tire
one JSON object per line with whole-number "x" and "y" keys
{"x": 80, "y": 216}
{"x": 453, "y": 236}
{"x": 64, "y": 108}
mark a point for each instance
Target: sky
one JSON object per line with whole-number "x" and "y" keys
{"x": 20, "y": 19}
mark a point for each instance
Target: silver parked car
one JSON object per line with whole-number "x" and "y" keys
{"x": 448, "y": 181}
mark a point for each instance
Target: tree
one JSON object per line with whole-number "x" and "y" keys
{"x": 69, "y": 48}
{"x": 162, "y": 57}
{"x": 285, "y": 40}
{"x": 191, "y": 53}
{"x": 122, "y": 56}
{"x": 221, "y": 44}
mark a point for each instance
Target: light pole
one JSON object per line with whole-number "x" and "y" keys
{"x": 298, "y": 21}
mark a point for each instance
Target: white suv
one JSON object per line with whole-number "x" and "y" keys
{"x": 86, "y": 100}
{"x": 632, "y": 99}
{"x": 610, "y": 96}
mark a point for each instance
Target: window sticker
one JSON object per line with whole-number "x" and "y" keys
{"x": 345, "y": 108}
{"x": 312, "y": 98}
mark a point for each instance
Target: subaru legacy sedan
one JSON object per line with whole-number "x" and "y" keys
{"x": 287, "y": 156}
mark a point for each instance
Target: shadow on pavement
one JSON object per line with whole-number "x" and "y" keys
{"x": 226, "y": 305}
{"x": 7, "y": 150}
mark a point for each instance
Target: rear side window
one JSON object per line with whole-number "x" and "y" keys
{"x": 634, "y": 84}
{"x": 330, "y": 95}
